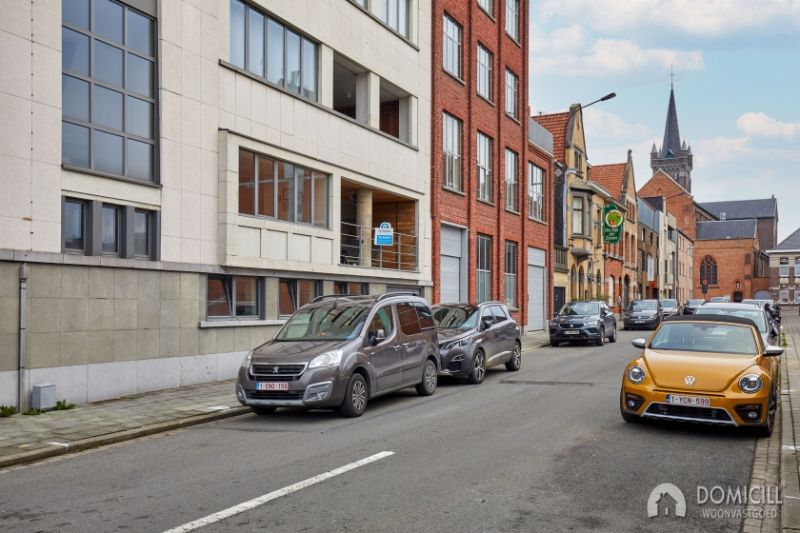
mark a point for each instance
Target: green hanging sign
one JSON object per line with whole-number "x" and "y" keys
{"x": 612, "y": 224}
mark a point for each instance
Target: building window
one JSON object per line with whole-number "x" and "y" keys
{"x": 512, "y": 88}
{"x": 797, "y": 267}
{"x": 783, "y": 268}
{"x": 394, "y": 13}
{"x": 512, "y": 183}
{"x": 535, "y": 192}
{"x": 233, "y": 297}
{"x": 485, "y": 167}
{"x": 452, "y": 152}
{"x": 708, "y": 271}
{"x": 452, "y": 46}
{"x": 510, "y": 274}
{"x": 277, "y": 189}
{"x": 108, "y": 92}
{"x": 74, "y": 225}
{"x": 96, "y": 228}
{"x": 271, "y": 50}
{"x": 143, "y": 233}
{"x": 578, "y": 162}
{"x": 578, "y": 215}
{"x": 484, "y": 263}
{"x": 110, "y": 229}
{"x": 484, "y": 72}
{"x": 486, "y": 5}
{"x": 295, "y": 293}
{"x": 512, "y": 19}
{"x": 344, "y": 287}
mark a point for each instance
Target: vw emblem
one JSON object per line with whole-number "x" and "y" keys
{"x": 689, "y": 380}
{"x": 275, "y": 370}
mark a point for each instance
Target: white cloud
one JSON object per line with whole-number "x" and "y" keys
{"x": 602, "y": 124}
{"x": 763, "y": 125}
{"x": 721, "y": 148}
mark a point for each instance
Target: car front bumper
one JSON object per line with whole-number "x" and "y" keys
{"x": 640, "y": 323}
{"x": 559, "y": 334}
{"x": 456, "y": 362}
{"x": 313, "y": 388}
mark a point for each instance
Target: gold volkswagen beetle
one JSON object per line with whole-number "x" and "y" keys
{"x": 708, "y": 369}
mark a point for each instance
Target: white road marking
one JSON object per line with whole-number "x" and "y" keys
{"x": 261, "y": 500}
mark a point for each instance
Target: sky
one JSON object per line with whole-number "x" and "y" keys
{"x": 737, "y": 87}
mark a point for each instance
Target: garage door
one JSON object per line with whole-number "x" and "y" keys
{"x": 451, "y": 266}
{"x": 536, "y": 290}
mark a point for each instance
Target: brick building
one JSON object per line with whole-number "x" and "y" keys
{"x": 488, "y": 180}
{"x": 784, "y": 265}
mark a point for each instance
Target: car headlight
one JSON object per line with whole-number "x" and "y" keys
{"x": 454, "y": 344}
{"x": 636, "y": 374}
{"x": 247, "y": 359}
{"x": 328, "y": 359}
{"x": 751, "y": 383}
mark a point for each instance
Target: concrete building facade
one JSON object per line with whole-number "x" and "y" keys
{"x": 784, "y": 266}
{"x": 685, "y": 269}
{"x": 213, "y": 167}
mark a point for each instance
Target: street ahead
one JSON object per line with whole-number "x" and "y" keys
{"x": 543, "y": 449}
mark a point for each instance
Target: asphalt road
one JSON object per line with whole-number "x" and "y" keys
{"x": 542, "y": 449}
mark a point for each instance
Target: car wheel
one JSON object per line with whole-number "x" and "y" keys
{"x": 766, "y": 429}
{"x": 262, "y": 411}
{"x": 602, "y": 340}
{"x": 555, "y": 344}
{"x": 613, "y": 336}
{"x": 515, "y": 362}
{"x": 355, "y": 397}
{"x": 427, "y": 386}
{"x": 479, "y": 369}
{"x": 629, "y": 418}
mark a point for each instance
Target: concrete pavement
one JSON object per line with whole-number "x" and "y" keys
{"x": 790, "y": 398}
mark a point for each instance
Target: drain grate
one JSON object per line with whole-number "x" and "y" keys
{"x": 526, "y": 382}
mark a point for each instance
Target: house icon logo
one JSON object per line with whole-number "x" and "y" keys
{"x": 666, "y": 500}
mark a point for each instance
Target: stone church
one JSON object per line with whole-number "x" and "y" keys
{"x": 727, "y": 239}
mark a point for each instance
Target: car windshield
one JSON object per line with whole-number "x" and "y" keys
{"x": 695, "y": 303}
{"x": 718, "y": 299}
{"x": 643, "y": 305}
{"x": 580, "y": 308}
{"x": 463, "y": 317}
{"x": 325, "y": 323}
{"x": 755, "y": 315}
{"x": 669, "y": 304}
{"x": 705, "y": 337}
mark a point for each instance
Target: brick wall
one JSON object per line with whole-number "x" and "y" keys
{"x": 732, "y": 267}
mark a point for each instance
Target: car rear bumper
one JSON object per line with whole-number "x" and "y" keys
{"x": 641, "y": 323}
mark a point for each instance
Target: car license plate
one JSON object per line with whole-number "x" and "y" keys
{"x": 639, "y": 321}
{"x": 267, "y": 385}
{"x": 691, "y": 401}
{"x": 572, "y": 333}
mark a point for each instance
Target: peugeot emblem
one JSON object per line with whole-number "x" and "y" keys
{"x": 689, "y": 380}
{"x": 275, "y": 370}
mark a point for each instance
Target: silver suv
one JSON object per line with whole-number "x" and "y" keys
{"x": 340, "y": 352}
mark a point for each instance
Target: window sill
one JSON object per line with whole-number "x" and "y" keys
{"x": 512, "y": 211}
{"x": 490, "y": 15}
{"x": 487, "y": 202}
{"x": 454, "y": 191}
{"x": 487, "y": 100}
{"x": 539, "y": 220}
{"x": 91, "y": 172}
{"x": 515, "y": 119}
{"x": 513, "y": 40}
{"x": 455, "y": 77}
{"x": 236, "y": 323}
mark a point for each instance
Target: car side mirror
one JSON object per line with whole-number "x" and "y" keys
{"x": 639, "y": 343}
{"x": 378, "y": 336}
{"x": 773, "y": 351}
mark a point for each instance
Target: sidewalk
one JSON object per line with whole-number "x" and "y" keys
{"x": 535, "y": 339}
{"x": 790, "y": 398}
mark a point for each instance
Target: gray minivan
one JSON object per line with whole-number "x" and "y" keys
{"x": 340, "y": 352}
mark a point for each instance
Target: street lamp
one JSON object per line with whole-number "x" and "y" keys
{"x": 574, "y": 109}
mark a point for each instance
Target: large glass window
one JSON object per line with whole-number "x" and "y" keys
{"x": 394, "y": 13}
{"x": 452, "y": 152}
{"x": 143, "y": 233}
{"x": 512, "y": 19}
{"x": 269, "y": 49}
{"x": 452, "y": 46}
{"x": 512, "y": 89}
{"x": 74, "y": 225}
{"x": 535, "y": 192}
{"x": 578, "y": 215}
{"x": 295, "y": 293}
{"x": 484, "y": 268}
{"x": 233, "y": 297}
{"x": 510, "y": 274}
{"x": 268, "y": 186}
{"x": 108, "y": 90}
{"x": 485, "y": 167}
{"x": 484, "y": 72}
{"x": 109, "y": 231}
{"x": 96, "y": 228}
{"x": 708, "y": 271}
{"x": 512, "y": 182}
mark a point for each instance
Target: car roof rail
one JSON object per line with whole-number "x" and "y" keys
{"x": 335, "y": 296}
{"x": 397, "y": 293}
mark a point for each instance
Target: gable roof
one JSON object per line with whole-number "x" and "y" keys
{"x": 556, "y": 123}
{"x": 610, "y": 177}
{"x": 743, "y": 209}
{"x": 792, "y": 242}
{"x": 667, "y": 176}
{"x": 717, "y": 230}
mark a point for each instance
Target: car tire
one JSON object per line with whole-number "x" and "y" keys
{"x": 262, "y": 411}
{"x": 629, "y": 418}
{"x": 479, "y": 369}
{"x": 555, "y": 344}
{"x": 602, "y": 340}
{"x": 613, "y": 336}
{"x": 766, "y": 429}
{"x": 356, "y": 396}
{"x": 515, "y": 363}
{"x": 430, "y": 375}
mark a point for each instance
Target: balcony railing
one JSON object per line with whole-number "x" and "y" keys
{"x": 402, "y": 255}
{"x": 560, "y": 259}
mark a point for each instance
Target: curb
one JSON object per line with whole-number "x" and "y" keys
{"x": 789, "y": 468}
{"x": 118, "y": 436}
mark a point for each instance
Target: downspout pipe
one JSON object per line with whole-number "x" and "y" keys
{"x": 23, "y": 324}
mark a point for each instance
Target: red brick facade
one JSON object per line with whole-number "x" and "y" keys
{"x": 734, "y": 260}
{"x": 459, "y": 98}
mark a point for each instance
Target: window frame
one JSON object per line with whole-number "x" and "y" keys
{"x": 85, "y": 226}
{"x": 118, "y": 215}
{"x": 536, "y": 193}
{"x": 400, "y": 4}
{"x": 229, "y": 282}
{"x": 582, "y": 210}
{"x": 512, "y": 89}
{"x": 294, "y": 294}
{"x": 489, "y": 10}
{"x": 337, "y": 286}
{"x": 455, "y": 42}
{"x": 711, "y": 276}
{"x": 485, "y": 146}
{"x": 510, "y": 271}
{"x": 512, "y": 13}
{"x": 93, "y": 126}
{"x": 487, "y": 68}
{"x": 483, "y": 264}
{"x": 512, "y": 181}
{"x": 451, "y": 159}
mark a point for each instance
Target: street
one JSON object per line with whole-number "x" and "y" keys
{"x": 542, "y": 449}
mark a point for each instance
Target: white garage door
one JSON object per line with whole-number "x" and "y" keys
{"x": 536, "y": 290}
{"x": 451, "y": 266}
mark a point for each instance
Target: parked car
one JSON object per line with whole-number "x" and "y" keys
{"x": 707, "y": 369}
{"x": 643, "y": 314}
{"x": 720, "y": 299}
{"x": 583, "y": 321}
{"x": 342, "y": 351}
{"x": 691, "y": 306}
{"x": 670, "y": 306}
{"x": 770, "y": 306}
{"x": 766, "y": 327}
{"x": 473, "y": 338}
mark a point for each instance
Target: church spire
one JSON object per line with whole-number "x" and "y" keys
{"x": 672, "y": 138}
{"x": 675, "y": 157}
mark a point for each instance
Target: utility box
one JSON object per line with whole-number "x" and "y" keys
{"x": 43, "y": 396}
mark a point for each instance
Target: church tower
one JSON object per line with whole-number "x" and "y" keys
{"x": 675, "y": 157}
